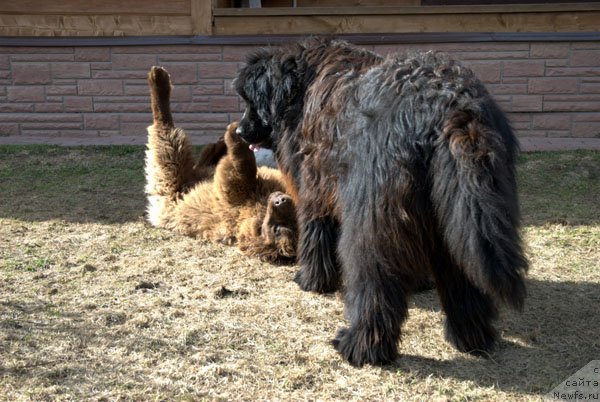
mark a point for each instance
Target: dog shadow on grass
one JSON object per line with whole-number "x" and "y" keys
{"x": 554, "y": 336}
{"x": 72, "y": 184}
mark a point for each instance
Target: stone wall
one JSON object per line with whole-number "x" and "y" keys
{"x": 99, "y": 94}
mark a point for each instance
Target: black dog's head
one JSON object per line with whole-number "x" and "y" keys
{"x": 269, "y": 85}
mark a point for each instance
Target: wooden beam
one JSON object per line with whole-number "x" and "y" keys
{"x": 399, "y": 23}
{"x": 407, "y": 10}
{"x": 202, "y": 17}
{"x": 96, "y": 7}
{"x": 98, "y": 25}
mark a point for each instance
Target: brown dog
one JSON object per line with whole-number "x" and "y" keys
{"x": 223, "y": 197}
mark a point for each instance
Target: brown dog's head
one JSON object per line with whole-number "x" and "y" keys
{"x": 273, "y": 238}
{"x": 279, "y": 225}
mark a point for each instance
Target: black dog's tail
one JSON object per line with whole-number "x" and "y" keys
{"x": 475, "y": 197}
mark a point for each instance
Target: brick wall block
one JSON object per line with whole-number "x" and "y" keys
{"x": 236, "y": 53}
{"x": 220, "y": 118}
{"x": 526, "y": 103}
{"x": 137, "y": 62}
{"x": 552, "y": 121}
{"x": 118, "y": 107}
{"x": 78, "y": 104}
{"x": 579, "y": 117}
{"x": 164, "y": 49}
{"x": 92, "y": 54}
{"x": 487, "y": 72}
{"x": 587, "y": 129}
{"x": 41, "y": 118}
{"x": 139, "y": 90}
{"x": 552, "y": 85}
{"x": 190, "y": 107}
{"x": 25, "y": 94}
{"x": 549, "y": 50}
{"x": 508, "y": 89}
{"x": 100, "y": 87}
{"x": 571, "y": 106}
{"x": 28, "y": 58}
{"x": 51, "y": 126}
{"x": 16, "y": 108}
{"x": 71, "y": 70}
{"x": 168, "y": 58}
{"x": 203, "y": 90}
{"x": 4, "y": 61}
{"x": 180, "y": 93}
{"x": 118, "y": 75}
{"x": 134, "y": 128}
{"x": 100, "y": 65}
{"x": 573, "y": 72}
{"x": 52, "y": 90}
{"x": 100, "y": 121}
{"x": 585, "y": 58}
{"x": 8, "y": 129}
{"x": 524, "y": 68}
{"x": 31, "y": 73}
{"x": 492, "y": 55}
{"x": 222, "y": 103}
{"x": 182, "y": 73}
{"x": 217, "y": 70}
{"x": 55, "y": 107}
{"x": 589, "y": 88}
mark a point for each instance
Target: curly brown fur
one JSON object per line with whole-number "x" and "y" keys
{"x": 402, "y": 167}
{"x": 221, "y": 197}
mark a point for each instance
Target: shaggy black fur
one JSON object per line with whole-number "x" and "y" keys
{"x": 402, "y": 167}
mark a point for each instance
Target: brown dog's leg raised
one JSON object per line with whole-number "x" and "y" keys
{"x": 235, "y": 177}
{"x": 160, "y": 94}
{"x": 169, "y": 158}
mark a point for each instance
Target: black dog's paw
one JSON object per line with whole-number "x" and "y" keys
{"x": 358, "y": 351}
{"x": 312, "y": 283}
{"x": 475, "y": 341}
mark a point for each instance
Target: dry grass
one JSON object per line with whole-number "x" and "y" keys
{"x": 96, "y": 304}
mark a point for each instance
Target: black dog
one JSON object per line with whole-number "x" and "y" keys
{"x": 401, "y": 168}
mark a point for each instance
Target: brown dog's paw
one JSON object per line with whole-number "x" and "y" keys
{"x": 159, "y": 78}
{"x": 231, "y": 137}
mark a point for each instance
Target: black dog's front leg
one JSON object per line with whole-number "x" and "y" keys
{"x": 319, "y": 268}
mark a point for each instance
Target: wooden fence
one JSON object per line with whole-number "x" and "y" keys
{"x": 214, "y": 17}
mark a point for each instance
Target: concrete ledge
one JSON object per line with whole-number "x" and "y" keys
{"x": 532, "y": 144}
{"x": 528, "y": 144}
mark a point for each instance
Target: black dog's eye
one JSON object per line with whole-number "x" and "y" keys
{"x": 277, "y": 230}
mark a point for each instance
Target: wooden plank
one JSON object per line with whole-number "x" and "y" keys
{"x": 483, "y": 9}
{"x": 99, "y": 25}
{"x": 96, "y": 7}
{"x": 202, "y": 19}
{"x": 357, "y": 3}
{"x": 336, "y": 24}
{"x": 270, "y": 40}
{"x": 479, "y": 2}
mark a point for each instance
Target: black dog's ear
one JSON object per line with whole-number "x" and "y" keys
{"x": 262, "y": 96}
{"x": 289, "y": 75}
{"x": 286, "y": 89}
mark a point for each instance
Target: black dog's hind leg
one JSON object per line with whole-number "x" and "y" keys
{"x": 319, "y": 268}
{"x": 469, "y": 312}
{"x": 376, "y": 298}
